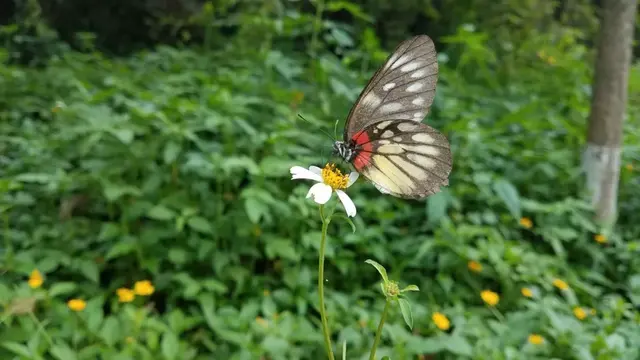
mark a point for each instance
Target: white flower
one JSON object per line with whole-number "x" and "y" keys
{"x": 329, "y": 180}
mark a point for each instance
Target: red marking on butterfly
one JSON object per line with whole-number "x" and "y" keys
{"x": 364, "y": 146}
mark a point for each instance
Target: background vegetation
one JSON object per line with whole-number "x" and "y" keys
{"x": 152, "y": 141}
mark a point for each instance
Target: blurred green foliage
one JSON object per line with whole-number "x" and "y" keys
{"x": 172, "y": 165}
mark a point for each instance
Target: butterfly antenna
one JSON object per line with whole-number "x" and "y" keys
{"x": 322, "y": 130}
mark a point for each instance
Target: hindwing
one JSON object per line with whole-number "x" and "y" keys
{"x": 404, "y": 158}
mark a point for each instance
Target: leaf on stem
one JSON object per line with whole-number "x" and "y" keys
{"x": 380, "y": 268}
{"x": 405, "y": 308}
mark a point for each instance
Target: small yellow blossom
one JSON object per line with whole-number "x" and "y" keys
{"x": 629, "y": 167}
{"x": 125, "y": 295}
{"x": 76, "y": 304}
{"x": 441, "y": 321}
{"x": 579, "y": 313}
{"x": 35, "y": 279}
{"x": 526, "y": 292}
{"x": 526, "y": 223}
{"x": 490, "y": 297}
{"x": 143, "y": 288}
{"x": 560, "y": 284}
{"x": 474, "y": 266}
{"x": 262, "y": 322}
{"x": 536, "y": 339}
{"x": 599, "y": 238}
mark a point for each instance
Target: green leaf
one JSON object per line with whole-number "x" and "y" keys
{"x": 161, "y": 212}
{"x": 405, "y": 308}
{"x": 410, "y": 288}
{"x": 62, "y": 288}
{"x": 18, "y": 349}
{"x": 170, "y": 345}
{"x": 62, "y": 352}
{"x": 437, "y": 205}
{"x": 459, "y": 345}
{"x": 255, "y": 209}
{"x": 275, "y": 345}
{"x": 346, "y": 218}
{"x": 114, "y": 191}
{"x": 124, "y": 135}
{"x": 380, "y": 268}
{"x": 89, "y": 269}
{"x": 509, "y": 195}
{"x": 283, "y": 248}
{"x": 200, "y": 224}
{"x": 111, "y": 331}
{"x": 171, "y": 151}
{"x": 121, "y": 248}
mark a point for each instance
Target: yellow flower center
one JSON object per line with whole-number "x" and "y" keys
{"x": 333, "y": 177}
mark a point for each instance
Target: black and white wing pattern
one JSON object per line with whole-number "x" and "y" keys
{"x": 404, "y": 158}
{"x": 402, "y": 89}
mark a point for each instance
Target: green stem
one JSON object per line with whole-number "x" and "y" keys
{"x": 387, "y": 304}
{"x": 316, "y": 27}
{"x": 323, "y": 314}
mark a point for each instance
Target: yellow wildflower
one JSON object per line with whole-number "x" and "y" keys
{"x": 490, "y": 297}
{"x": 143, "y": 288}
{"x": 560, "y": 284}
{"x": 629, "y": 167}
{"x": 125, "y": 295}
{"x": 76, "y": 304}
{"x": 536, "y": 339}
{"x": 599, "y": 238}
{"x": 474, "y": 266}
{"x": 526, "y": 223}
{"x": 579, "y": 313}
{"x": 441, "y": 321}
{"x": 526, "y": 292}
{"x": 35, "y": 279}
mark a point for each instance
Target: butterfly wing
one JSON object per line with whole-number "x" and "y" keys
{"x": 404, "y": 158}
{"x": 402, "y": 89}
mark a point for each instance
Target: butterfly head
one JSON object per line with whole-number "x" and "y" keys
{"x": 344, "y": 150}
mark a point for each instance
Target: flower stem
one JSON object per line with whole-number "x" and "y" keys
{"x": 323, "y": 314}
{"x": 387, "y": 304}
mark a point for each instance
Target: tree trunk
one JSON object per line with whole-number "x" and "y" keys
{"x": 608, "y": 105}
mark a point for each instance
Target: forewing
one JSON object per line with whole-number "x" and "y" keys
{"x": 406, "y": 159}
{"x": 403, "y": 88}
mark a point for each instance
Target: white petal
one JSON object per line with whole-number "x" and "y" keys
{"x": 352, "y": 178}
{"x": 315, "y": 170}
{"x": 321, "y": 193}
{"x": 348, "y": 204}
{"x": 298, "y": 172}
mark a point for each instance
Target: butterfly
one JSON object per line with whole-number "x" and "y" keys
{"x": 384, "y": 138}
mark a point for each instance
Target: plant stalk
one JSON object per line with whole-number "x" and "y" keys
{"x": 376, "y": 342}
{"x": 323, "y": 314}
